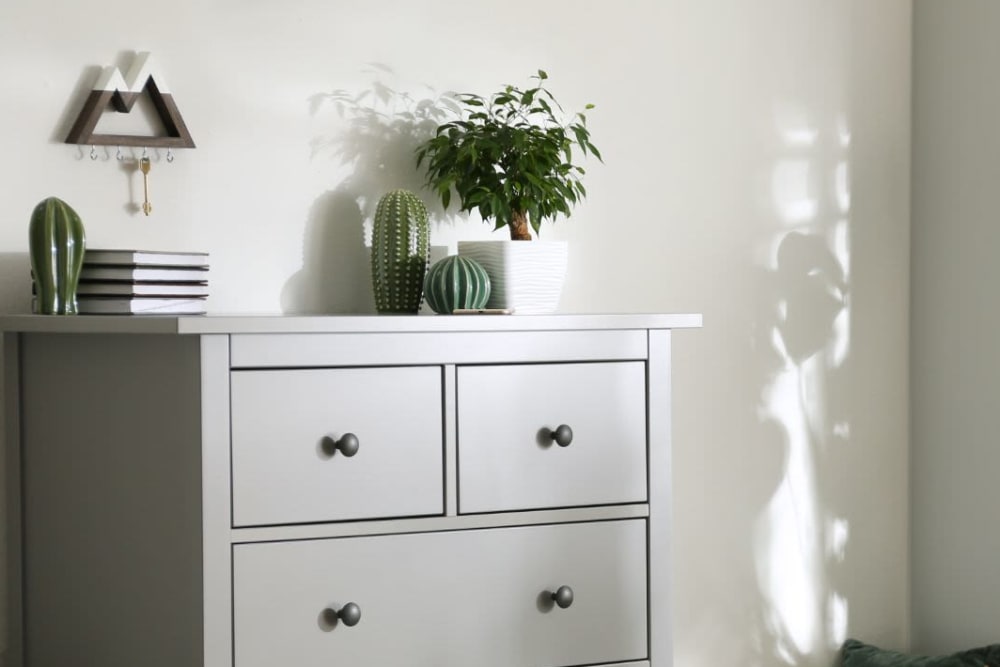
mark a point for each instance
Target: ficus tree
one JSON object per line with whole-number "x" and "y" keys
{"x": 511, "y": 157}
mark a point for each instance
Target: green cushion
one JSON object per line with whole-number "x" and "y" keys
{"x": 859, "y": 654}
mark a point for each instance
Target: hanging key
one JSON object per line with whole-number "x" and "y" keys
{"x": 144, "y": 166}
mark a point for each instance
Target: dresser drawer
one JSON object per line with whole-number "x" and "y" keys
{"x": 454, "y": 599}
{"x": 285, "y": 424}
{"x": 507, "y": 459}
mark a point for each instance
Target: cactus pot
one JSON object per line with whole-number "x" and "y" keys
{"x": 56, "y": 243}
{"x": 525, "y": 276}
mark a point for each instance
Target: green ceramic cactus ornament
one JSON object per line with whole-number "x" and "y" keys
{"x": 57, "y": 243}
{"x": 400, "y": 252}
{"x": 456, "y": 282}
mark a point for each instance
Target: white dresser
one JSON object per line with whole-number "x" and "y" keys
{"x": 465, "y": 491}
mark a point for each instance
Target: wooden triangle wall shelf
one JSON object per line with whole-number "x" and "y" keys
{"x": 122, "y": 93}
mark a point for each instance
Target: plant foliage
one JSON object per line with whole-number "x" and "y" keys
{"x": 511, "y": 157}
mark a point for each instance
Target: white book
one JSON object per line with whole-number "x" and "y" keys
{"x": 144, "y": 274}
{"x": 139, "y": 306}
{"x": 141, "y": 289}
{"x": 123, "y": 257}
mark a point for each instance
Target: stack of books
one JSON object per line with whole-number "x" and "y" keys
{"x": 142, "y": 282}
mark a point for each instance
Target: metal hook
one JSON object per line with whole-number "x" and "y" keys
{"x": 93, "y": 152}
{"x": 118, "y": 155}
{"x": 170, "y": 155}
{"x": 144, "y": 153}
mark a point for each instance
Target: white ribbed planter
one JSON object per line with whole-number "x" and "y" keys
{"x": 526, "y": 276}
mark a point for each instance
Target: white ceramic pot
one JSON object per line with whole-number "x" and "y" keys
{"x": 525, "y": 276}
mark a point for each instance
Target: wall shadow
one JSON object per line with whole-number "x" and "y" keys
{"x": 15, "y": 283}
{"x": 335, "y": 276}
{"x": 375, "y": 138}
{"x": 380, "y": 130}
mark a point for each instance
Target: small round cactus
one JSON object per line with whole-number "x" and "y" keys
{"x": 456, "y": 282}
{"x": 400, "y": 252}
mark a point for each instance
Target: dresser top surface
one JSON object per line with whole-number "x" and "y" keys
{"x": 267, "y": 324}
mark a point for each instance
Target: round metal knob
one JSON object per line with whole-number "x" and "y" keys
{"x": 348, "y": 445}
{"x": 349, "y": 614}
{"x": 563, "y": 435}
{"x": 563, "y": 596}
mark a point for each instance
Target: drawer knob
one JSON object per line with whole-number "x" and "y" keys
{"x": 348, "y": 444}
{"x": 349, "y": 614}
{"x": 563, "y": 596}
{"x": 563, "y": 435}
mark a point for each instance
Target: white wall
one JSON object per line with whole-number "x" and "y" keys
{"x": 955, "y": 325}
{"x": 756, "y": 171}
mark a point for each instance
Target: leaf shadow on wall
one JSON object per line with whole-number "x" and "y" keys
{"x": 376, "y": 138}
{"x": 800, "y": 534}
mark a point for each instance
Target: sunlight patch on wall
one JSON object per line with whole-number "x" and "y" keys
{"x": 842, "y": 187}
{"x": 838, "y": 533}
{"x": 787, "y": 571}
{"x": 843, "y": 132}
{"x": 791, "y": 189}
{"x": 842, "y": 324}
{"x": 798, "y": 538}
{"x": 804, "y": 136}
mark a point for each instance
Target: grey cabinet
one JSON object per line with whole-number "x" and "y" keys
{"x": 371, "y": 491}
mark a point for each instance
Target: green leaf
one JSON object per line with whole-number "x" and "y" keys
{"x": 542, "y": 75}
{"x": 581, "y": 138}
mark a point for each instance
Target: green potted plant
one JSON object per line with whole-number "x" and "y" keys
{"x": 512, "y": 158}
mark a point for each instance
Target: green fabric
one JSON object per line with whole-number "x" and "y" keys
{"x": 859, "y": 654}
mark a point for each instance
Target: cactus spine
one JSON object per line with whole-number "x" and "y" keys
{"x": 400, "y": 252}
{"x": 57, "y": 242}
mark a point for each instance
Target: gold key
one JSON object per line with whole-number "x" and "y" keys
{"x": 144, "y": 165}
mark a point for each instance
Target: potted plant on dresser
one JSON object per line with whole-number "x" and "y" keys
{"x": 511, "y": 157}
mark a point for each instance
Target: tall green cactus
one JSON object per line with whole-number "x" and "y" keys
{"x": 57, "y": 243}
{"x": 400, "y": 252}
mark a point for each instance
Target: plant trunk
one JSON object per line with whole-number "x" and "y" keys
{"x": 519, "y": 230}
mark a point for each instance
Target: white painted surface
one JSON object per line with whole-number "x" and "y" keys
{"x": 430, "y": 524}
{"x": 661, "y": 497}
{"x": 506, "y": 459}
{"x": 216, "y": 500}
{"x": 446, "y": 599}
{"x": 268, "y": 350}
{"x": 719, "y": 121}
{"x": 313, "y": 324}
{"x": 955, "y": 326}
{"x": 283, "y": 472}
